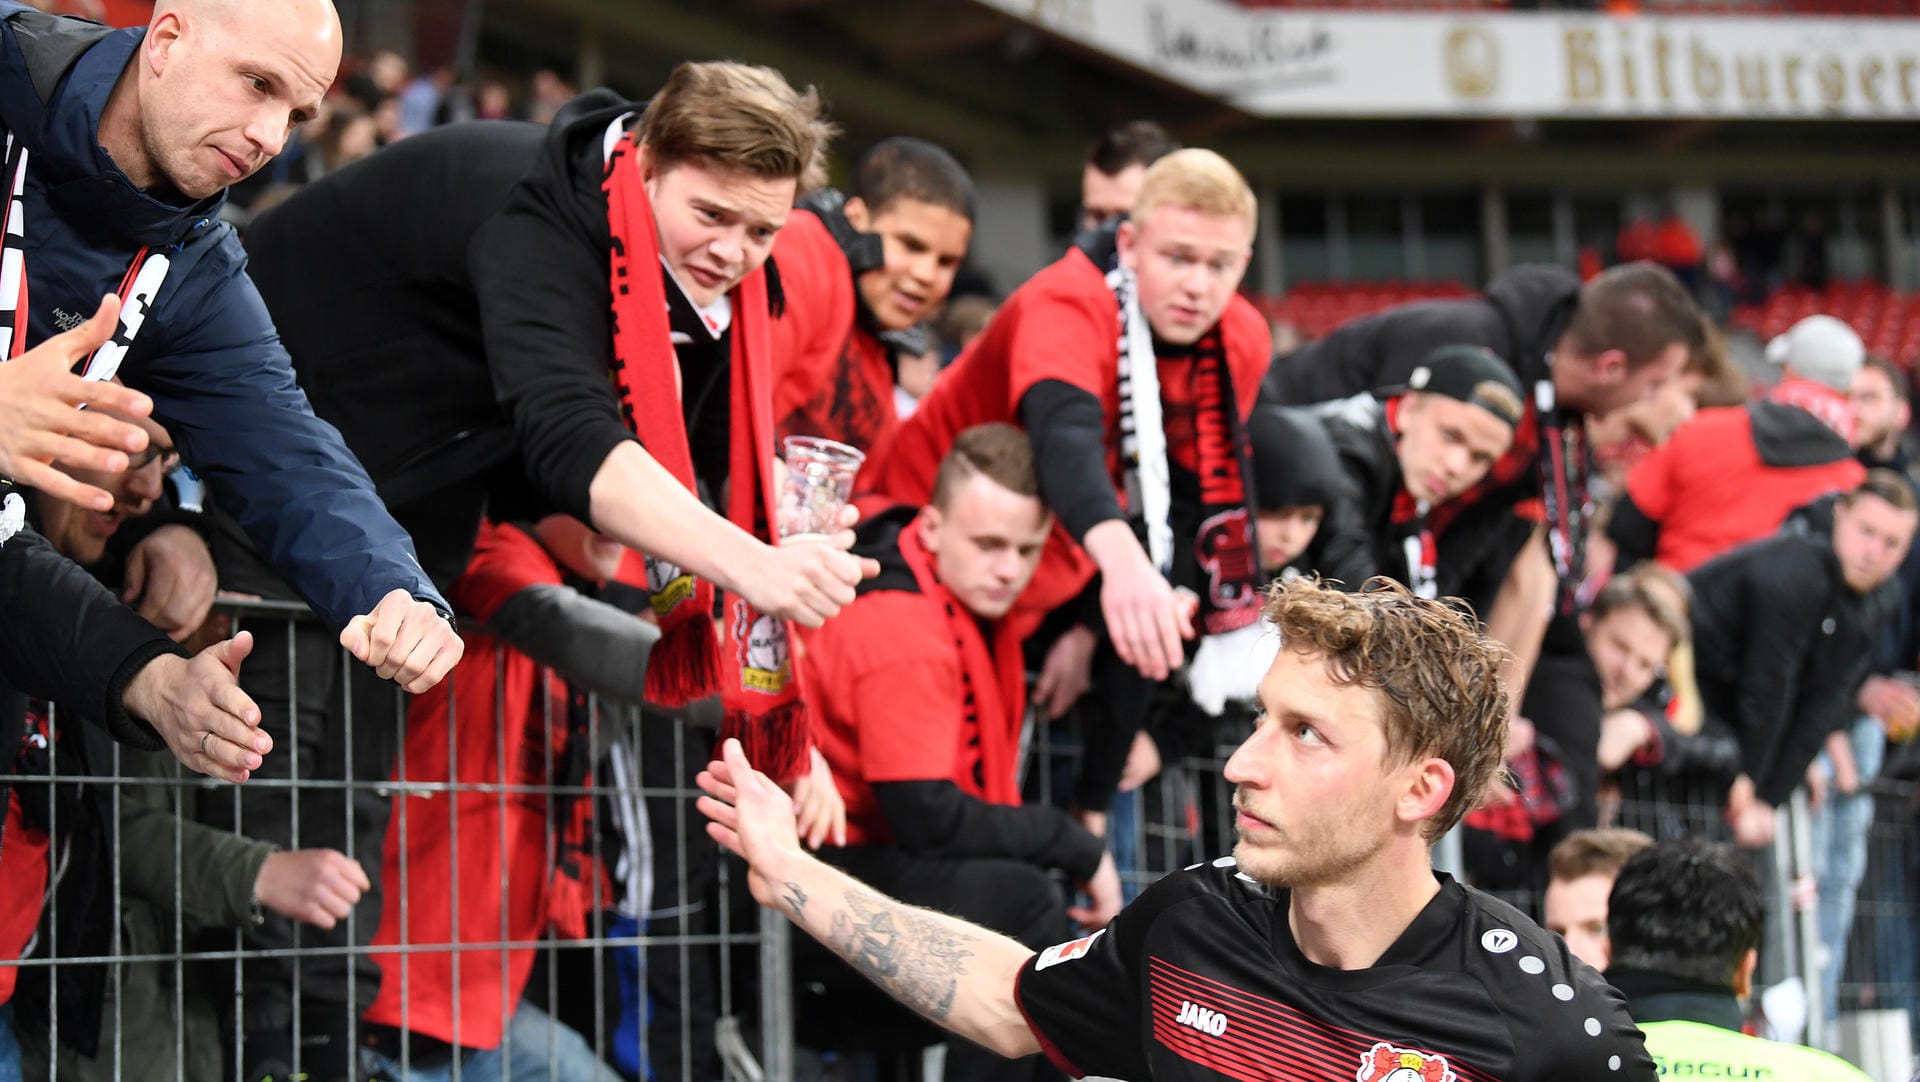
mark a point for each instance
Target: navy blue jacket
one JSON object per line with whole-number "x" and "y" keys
{"x": 207, "y": 354}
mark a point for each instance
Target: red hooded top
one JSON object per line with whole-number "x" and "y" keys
{"x": 832, "y": 377}
{"x": 495, "y": 691}
{"x": 1731, "y": 474}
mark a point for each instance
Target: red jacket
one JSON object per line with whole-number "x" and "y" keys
{"x": 832, "y": 377}
{"x": 1063, "y": 324}
{"x": 1728, "y": 476}
{"x": 505, "y": 888}
{"x": 906, "y": 690}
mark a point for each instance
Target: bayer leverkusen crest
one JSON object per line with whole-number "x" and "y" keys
{"x": 765, "y": 660}
{"x": 1389, "y": 1063}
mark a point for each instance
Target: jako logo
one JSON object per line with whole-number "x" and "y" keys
{"x": 1202, "y": 1019}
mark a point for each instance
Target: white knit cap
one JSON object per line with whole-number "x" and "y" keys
{"x": 1822, "y": 349}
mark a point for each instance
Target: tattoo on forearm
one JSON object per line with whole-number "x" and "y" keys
{"x": 911, "y": 956}
{"x": 796, "y": 900}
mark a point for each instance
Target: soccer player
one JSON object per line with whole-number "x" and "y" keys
{"x": 1326, "y": 947}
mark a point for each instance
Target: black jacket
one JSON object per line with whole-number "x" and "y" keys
{"x": 1358, "y": 537}
{"x": 367, "y": 273}
{"x": 1899, "y": 647}
{"x": 1520, "y": 317}
{"x": 1781, "y": 644}
{"x": 68, "y": 640}
{"x": 446, "y": 304}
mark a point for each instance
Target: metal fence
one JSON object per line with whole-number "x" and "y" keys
{"x": 138, "y": 973}
{"x": 664, "y": 976}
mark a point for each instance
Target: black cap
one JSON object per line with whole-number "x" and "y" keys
{"x": 1294, "y": 463}
{"x": 1472, "y": 374}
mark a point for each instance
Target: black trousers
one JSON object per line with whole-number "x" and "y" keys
{"x": 837, "y": 1008}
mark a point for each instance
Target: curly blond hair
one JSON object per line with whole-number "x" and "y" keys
{"x": 1438, "y": 675}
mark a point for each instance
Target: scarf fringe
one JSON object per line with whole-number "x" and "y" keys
{"x": 682, "y": 667}
{"x": 775, "y": 740}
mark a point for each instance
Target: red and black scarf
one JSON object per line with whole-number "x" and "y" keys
{"x": 755, "y": 681}
{"x": 1566, "y": 469}
{"x": 993, "y": 678}
{"x": 1223, "y": 544}
{"x": 1551, "y": 444}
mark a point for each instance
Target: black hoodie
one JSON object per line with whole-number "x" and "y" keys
{"x": 1520, "y": 318}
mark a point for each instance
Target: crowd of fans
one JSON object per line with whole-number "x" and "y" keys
{"x": 525, "y": 479}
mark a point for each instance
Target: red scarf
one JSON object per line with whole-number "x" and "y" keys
{"x": 993, "y": 682}
{"x": 762, "y": 706}
{"x": 1411, "y": 521}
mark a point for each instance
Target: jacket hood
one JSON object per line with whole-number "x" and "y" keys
{"x": 1534, "y": 301}
{"x": 1294, "y": 460}
{"x": 878, "y": 538}
{"x": 1814, "y": 519}
{"x": 55, "y": 103}
{"x": 1788, "y": 436}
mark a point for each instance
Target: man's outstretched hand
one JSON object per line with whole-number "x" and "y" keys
{"x": 405, "y": 640}
{"x": 197, "y": 707}
{"x": 42, "y": 424}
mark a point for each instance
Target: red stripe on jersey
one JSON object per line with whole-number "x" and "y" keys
{"x": 1239, "y": 1053}
{"x": 1220, "y": 1054}
{"x": 1273, "y": 1023}
{"x": 1276, "y": 1038}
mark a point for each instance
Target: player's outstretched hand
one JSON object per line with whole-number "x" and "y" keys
{"x": 751, "y": 817}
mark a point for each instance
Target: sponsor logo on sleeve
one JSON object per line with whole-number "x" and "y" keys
{"x": 1067, "y": 952}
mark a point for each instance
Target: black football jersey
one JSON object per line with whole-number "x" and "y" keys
{"x": 1200, "y": 979}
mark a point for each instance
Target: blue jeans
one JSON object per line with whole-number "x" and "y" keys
{"x": 1840, "y": 828}
{"x": 1124, "y": 821}
{"x": 526, "y": 1056}
{"x": 9, "y": 1047}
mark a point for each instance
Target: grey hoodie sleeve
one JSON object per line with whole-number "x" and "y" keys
{"x": 593, "y": 645}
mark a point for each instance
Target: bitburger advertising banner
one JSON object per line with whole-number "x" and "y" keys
{"x": 1281, "y": 63}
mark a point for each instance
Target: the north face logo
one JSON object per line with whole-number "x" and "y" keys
{"x": 66, "y": 320}
{"x": 1209, "y": 1022}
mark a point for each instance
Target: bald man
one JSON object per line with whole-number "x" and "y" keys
{"x": 123, "y": 143}
{"x": 131, "y": 138}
